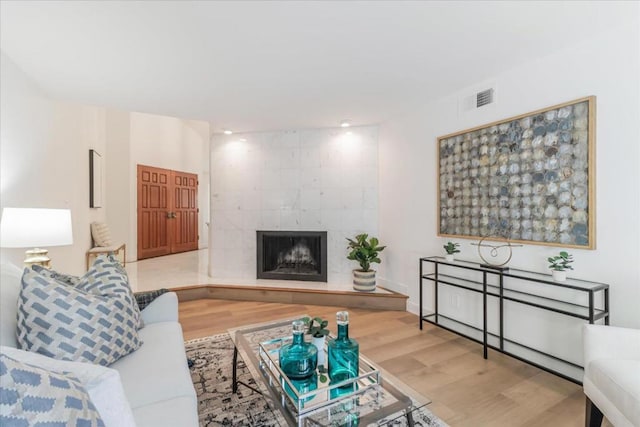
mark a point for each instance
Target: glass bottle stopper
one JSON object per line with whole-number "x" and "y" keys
{"x": 298, "y": 327}
{"x": 342, "y": 318}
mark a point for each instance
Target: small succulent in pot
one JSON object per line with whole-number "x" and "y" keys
{"x": 559, "y": 264}
{"x": 451, "y": 248}
{"x": 316, "y": 326}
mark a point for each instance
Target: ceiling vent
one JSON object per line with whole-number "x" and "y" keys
{"x": 484, "y": 98}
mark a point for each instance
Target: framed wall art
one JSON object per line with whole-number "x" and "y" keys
{"x": 528, "y": 179}
{"x": 95, "y": 179}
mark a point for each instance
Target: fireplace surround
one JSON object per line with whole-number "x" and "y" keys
{"x": 292, "y": 255}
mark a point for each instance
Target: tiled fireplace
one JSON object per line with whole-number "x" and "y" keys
{"x": 311, "y": 179}
{"x": 292, "y": 255}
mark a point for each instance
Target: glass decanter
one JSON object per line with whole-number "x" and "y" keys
{"x": 343, "y": 353}
{"x": 299, "y": 359}
{"x": 303, "y": 386}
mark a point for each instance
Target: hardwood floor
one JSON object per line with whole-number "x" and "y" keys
{"x": 466, "y": 389}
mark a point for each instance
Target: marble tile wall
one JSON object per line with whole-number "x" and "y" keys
{"x": 317, "y": 179}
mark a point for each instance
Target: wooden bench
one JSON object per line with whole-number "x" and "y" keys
{"x": 99, "y": 250}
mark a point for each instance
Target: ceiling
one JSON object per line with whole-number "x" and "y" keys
{"x": 252, "y": 66}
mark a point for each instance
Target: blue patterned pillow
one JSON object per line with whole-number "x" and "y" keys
{"x": 67, "y": 279}
{"x": 107, "y": 277}
{"x": 68, "y": 323}
{"x": 32, "y": 396}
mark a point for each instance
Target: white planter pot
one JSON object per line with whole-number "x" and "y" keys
{"x": 449, "y": 257}
{"x": 559, "y": 276}
{"x": 322, "y": 354}
{"x": 364, "y": 281}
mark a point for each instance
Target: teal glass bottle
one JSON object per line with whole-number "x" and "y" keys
{"x": 302, "y": 387}
{"x": 299, "y": 359}
{"x": 343, "y": 352}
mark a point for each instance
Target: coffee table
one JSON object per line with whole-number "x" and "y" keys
{"x": 375, "y": 398}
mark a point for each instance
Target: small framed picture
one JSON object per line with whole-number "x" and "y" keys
{"x": 95, "y": 179}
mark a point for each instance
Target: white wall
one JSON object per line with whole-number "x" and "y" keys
{"x": 159, "y": 141}
{"x": 172, "y": 143}
{"x": 45, "y": 161}
{"x": 117, "y": 189}
{"x": 606, "y": 66}
{"x": 44, "y": 155}
{"x": 316, "y": 179}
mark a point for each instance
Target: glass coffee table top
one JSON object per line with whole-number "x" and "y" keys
{"x": 375, "y": 398}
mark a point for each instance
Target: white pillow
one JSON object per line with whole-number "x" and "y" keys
{"x": 101, "y": 235}
{"x": 102, "y": 384}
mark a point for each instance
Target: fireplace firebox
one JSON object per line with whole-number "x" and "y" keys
{"x": 292, "y": 255}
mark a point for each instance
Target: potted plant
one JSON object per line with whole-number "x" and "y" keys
{"x": 451, "y": 248}
{"x": 317, "y": 328}
{"x": 365, "y": 251}
{"x": 559, "y": 265}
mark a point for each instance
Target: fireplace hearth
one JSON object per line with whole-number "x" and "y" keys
{"x": 292, "y": 255}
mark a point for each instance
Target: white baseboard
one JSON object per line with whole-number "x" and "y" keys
{"x": 413, "y": 307}
{"x": 393, "y": 286}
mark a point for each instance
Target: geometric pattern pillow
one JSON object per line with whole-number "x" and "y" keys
{"x": 68, "y": 323}
{"x": 145, "y": 298}
{"x": 67, "y": 279}
{"x": 107, "y": 277}
{"x": 31, "y": 396}
{"x": 103, "y": 384}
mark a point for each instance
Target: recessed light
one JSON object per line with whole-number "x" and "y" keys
{"x": 345, "y": 123}
{"x": 227, "y": 132}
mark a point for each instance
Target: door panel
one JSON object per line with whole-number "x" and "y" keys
{"x": 153, "y": 205}
{"x": 167, "y": 211}
{"x": 185, "y": 204}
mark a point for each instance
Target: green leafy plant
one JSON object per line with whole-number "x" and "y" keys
{"x": 452, "y": 248}
{"x": 561, "y": 262}
{"x": 364, "y": 250}
{"x": 316, "y": 327}
{"x": 323, "y": 374}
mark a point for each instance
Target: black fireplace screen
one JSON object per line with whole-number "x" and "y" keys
{"x": 292, "y": 255}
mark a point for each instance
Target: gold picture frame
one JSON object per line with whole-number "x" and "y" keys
{"x": 528, "y": 178}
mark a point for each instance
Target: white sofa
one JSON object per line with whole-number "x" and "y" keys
{"x": 612, "y": 375}
{"x": 155, "y": 378}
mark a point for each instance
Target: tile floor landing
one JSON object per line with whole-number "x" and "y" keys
{"x": 190, "y": 268}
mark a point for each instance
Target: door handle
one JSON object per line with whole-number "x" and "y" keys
{"x": 171, "y": 215}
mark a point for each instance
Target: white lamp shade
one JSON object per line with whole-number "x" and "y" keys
{"x": 28, "y": 228}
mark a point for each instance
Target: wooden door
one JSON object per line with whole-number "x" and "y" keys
{"x": 184, "y": 233}
{"x": 167, "y": 211}
{"x": 153, "y": 208}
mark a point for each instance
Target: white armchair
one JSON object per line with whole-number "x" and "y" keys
{"x": 612, "y": 375}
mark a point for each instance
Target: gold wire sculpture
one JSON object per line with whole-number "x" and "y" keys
{"x": 494, "y": 252}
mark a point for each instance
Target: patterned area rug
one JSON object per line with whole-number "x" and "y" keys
{"x": 218, "y": 406}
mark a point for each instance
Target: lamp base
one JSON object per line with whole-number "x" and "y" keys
{"x": 37, "y": 256}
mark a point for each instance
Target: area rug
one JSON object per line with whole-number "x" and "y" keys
{"x": 217, "y": 406}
